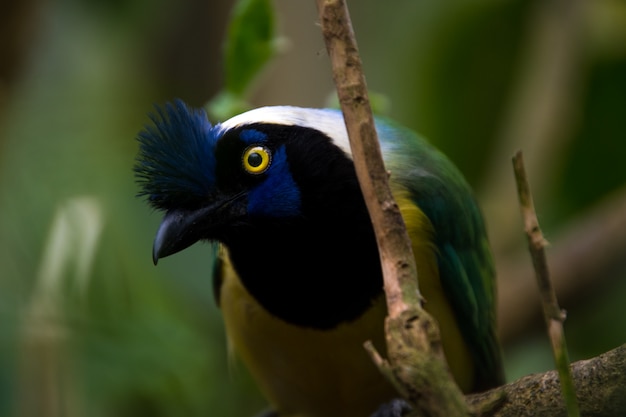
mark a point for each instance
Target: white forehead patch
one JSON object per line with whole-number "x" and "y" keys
{"x": 328, "y": 121}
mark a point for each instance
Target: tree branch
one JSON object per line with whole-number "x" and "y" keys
{"x": 370, "y": 169}
{"x": 600, "y": 385}
{"x": 416, "y": 358}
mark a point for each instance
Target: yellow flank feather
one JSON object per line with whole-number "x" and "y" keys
{"x": 307, "y": 372}
{"x": 420, "y": 231}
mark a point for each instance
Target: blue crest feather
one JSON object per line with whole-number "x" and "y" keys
{"x": 175, "y": 166}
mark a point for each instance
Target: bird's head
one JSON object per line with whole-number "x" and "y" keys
{"x": 216, "y": 181}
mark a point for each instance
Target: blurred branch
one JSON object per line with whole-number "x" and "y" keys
{"x": 553, "y": 315}
{"x": 250, "y": 45}
{"x": 18, "y": 26}
{"x": 582, "y": 258}
{"x": 600, "y": 385}
{"x": 541, "y": 110}
{"x": 416, "y": 360}
{"x": 47, "y": 387}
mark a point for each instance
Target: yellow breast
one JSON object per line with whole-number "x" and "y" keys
{"x": 306, "y": 372}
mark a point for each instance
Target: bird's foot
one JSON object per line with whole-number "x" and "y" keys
{"x": 394, "y": 408}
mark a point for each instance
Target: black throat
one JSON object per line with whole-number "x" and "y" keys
{"x": 312, "y": 274}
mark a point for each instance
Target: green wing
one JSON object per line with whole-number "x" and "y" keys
{"x": 465, "y": 264}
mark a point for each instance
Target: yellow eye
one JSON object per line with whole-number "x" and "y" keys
{"x": 256, "y": 159}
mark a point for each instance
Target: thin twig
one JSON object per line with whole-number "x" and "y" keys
{"x": 553, "y": 314}
{"x": 583, "y": 260}
{"x": 416, "y": 359}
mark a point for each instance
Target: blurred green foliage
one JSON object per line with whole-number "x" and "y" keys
{"x": 77, "y": 79}
{"x": 249, "y": 45}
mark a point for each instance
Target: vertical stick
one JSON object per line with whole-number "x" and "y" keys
{"x": 553, "y": 315}
{"x": 416, "y": 364}
{"x": 393, "y": 241}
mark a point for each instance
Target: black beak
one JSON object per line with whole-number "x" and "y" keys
{"x": 182, "y": 228}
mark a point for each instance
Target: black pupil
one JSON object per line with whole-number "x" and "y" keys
{"x": 255, "y": 159}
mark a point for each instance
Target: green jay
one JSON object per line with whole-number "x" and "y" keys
{"x": 297, "y": 274}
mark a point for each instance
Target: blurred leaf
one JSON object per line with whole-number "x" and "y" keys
{"x": 225, "y": 105}
{"x": 250, "y": 43}
{"x": 249, "y": 46}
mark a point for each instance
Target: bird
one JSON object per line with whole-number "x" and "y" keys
{"x": 296, "y": 268}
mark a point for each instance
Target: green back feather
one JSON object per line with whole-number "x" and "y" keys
{"x": 465, "y": 265}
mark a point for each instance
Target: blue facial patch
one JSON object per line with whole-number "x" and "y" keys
{"x": 251, "y": 136}
{"x": 278, "y": 195}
